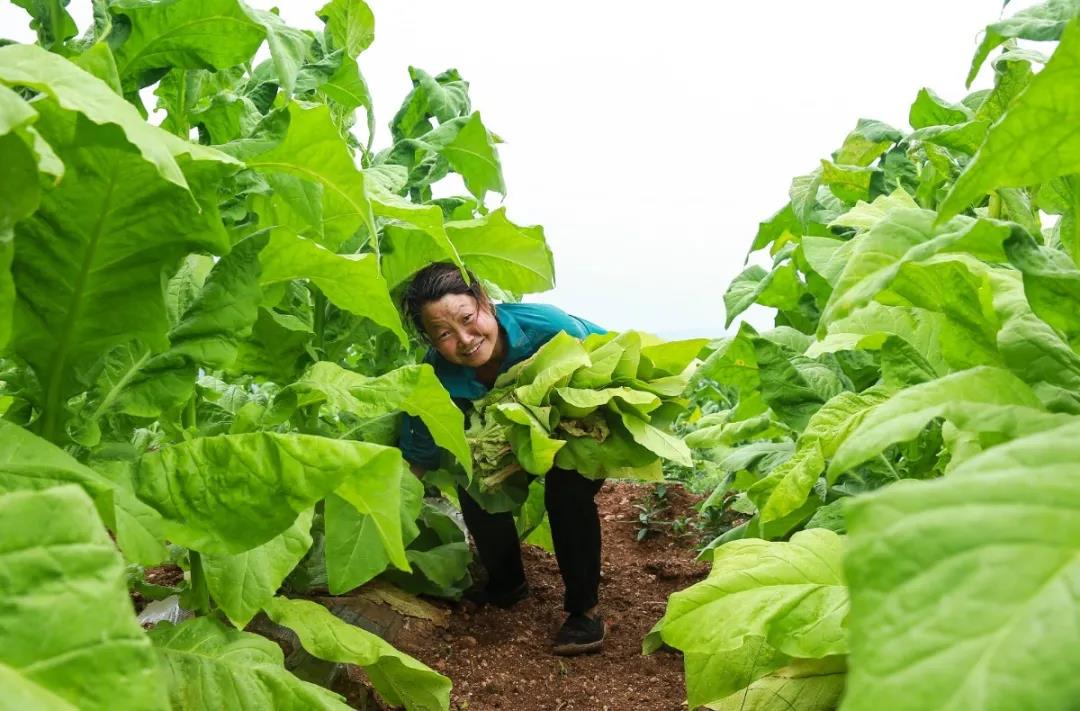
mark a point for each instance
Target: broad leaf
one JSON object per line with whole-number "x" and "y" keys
{"x": 350, "y": 281}
{"x": 960, "y": 614}
{"x": 399, "y": 679}
{"x": 791, "y": 595}
{"x": 112, "y": 263}
{"x": 260, "y": 483}
{"x": 1043, "y": 22}
{"x": 514, "y": 257}
{"x": 76, "y": 90}
{"x": 211, "y": 666}
{"x": 67, "y": 621}
{"x": 314, "y": 153}
{"x": 414, "y": 389}
{"x": 466, "y": 144}
{"x": 1032, "y": 143}
{"x": 243, "y": 583}
{"x": 350, "y": 23}
{"x": 983, "y": 399}
{"x": 193, "y": 34}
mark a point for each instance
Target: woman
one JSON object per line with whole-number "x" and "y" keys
{"x": 473, "y": 341}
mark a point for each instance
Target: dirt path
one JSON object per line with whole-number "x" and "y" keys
{"x": 501, "y": 659}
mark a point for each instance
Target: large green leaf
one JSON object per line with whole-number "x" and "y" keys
{"x": 399, "y": 679}
{"x": 28, "y": 462}
{"x": 356, "y": 549}
{"x": 67, "y": 621}
{"x": 514, "y": 257}
{"x": 191, "y": 34}
{"x": 230, "y": 493}
{"x": 314, "y": 153}
{"x": 904, "y": 236}
{"x": 789, "y": 595}
{"x": 779, "y": 288}
{"x": 79, "y": 91}
{"x": 21, "y": 693}
{"x": 413, "y": 388}
{"x": 786, "y": 488}
{"x": 350, "y": 23}
{"x": 1051, "y": 284}
{"x": 350, "y": 281}
{"x": 211, "y": 666}
{"x": 466, "y": 144}
{"x": 1043, "y": 22}
{"x": 982, "y": 399}
{"x": 930, "y": 109}
{"x": 973, "y": 581}
{"x": 243, "y": 583}
{"x": 289, "y": 46}
{"x": 444, "y": 96}
{"x": 51, "y": 21}
{"x": 806, "y": 685}
{"x": 1033, "y": 141}
{"x": 82, "y": 254}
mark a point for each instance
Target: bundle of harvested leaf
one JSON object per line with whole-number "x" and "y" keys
{"x": 601, "y": 406}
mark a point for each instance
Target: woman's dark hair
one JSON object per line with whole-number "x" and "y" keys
{"x": 436, "y": 281}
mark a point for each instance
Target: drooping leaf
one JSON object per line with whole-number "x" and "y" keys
{"x": 398, "y": 678}
{"x": 414, "y": 389}
{"x": 1043, "y": 22}
{"x": 193, "y": 34}
{"x": 76, "y": 90}
{"x": 906, "y": 236}
{"x": 1032, "y": 143}
{"x": 350, "y": 281}
{"x": 230, "y": 493}
{"x": 313, "y": 152}
{"x": 470, "y": 150}
{"x": 51, "y": 21}
{"x": 808, "y": 685}
{"x": 515, "y": 257}
{"x": 243, "y": 583}
{"x": 355, "y": 552}
{"x": 289, "y": 46}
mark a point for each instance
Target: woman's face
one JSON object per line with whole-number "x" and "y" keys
{"x": 462, "y": 331}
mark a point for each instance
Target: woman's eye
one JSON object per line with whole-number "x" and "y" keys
{"x": 468, "y": 318}
{"x": 443, "y": 336}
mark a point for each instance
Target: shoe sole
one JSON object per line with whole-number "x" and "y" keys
{"x": 570, "y": 650}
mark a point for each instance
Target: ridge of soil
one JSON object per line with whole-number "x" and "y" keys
{"x": 501, "y": 659}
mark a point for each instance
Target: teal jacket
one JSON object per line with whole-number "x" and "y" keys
{"x": 527, "y": 327}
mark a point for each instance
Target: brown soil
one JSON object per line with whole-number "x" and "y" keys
{"x": 167, "y": 575}
{"x": 501, "y": 659}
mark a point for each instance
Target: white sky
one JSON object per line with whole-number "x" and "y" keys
{"x": 650, "y": 139}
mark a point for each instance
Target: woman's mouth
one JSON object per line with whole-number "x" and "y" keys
{"x": 472, "y": 351}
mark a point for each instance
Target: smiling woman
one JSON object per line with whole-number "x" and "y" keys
{"x": 472, "y": 342}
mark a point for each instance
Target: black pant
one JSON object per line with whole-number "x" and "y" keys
{"x": 575, "y": 531}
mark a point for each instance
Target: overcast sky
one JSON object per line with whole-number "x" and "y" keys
{"x": 649, "y": 139}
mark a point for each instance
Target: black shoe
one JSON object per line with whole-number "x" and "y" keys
{"x": 505, "y": 600}
{"x": 580, "y": 634}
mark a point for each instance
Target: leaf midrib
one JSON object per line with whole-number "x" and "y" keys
{"x": 60, "y": 356}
